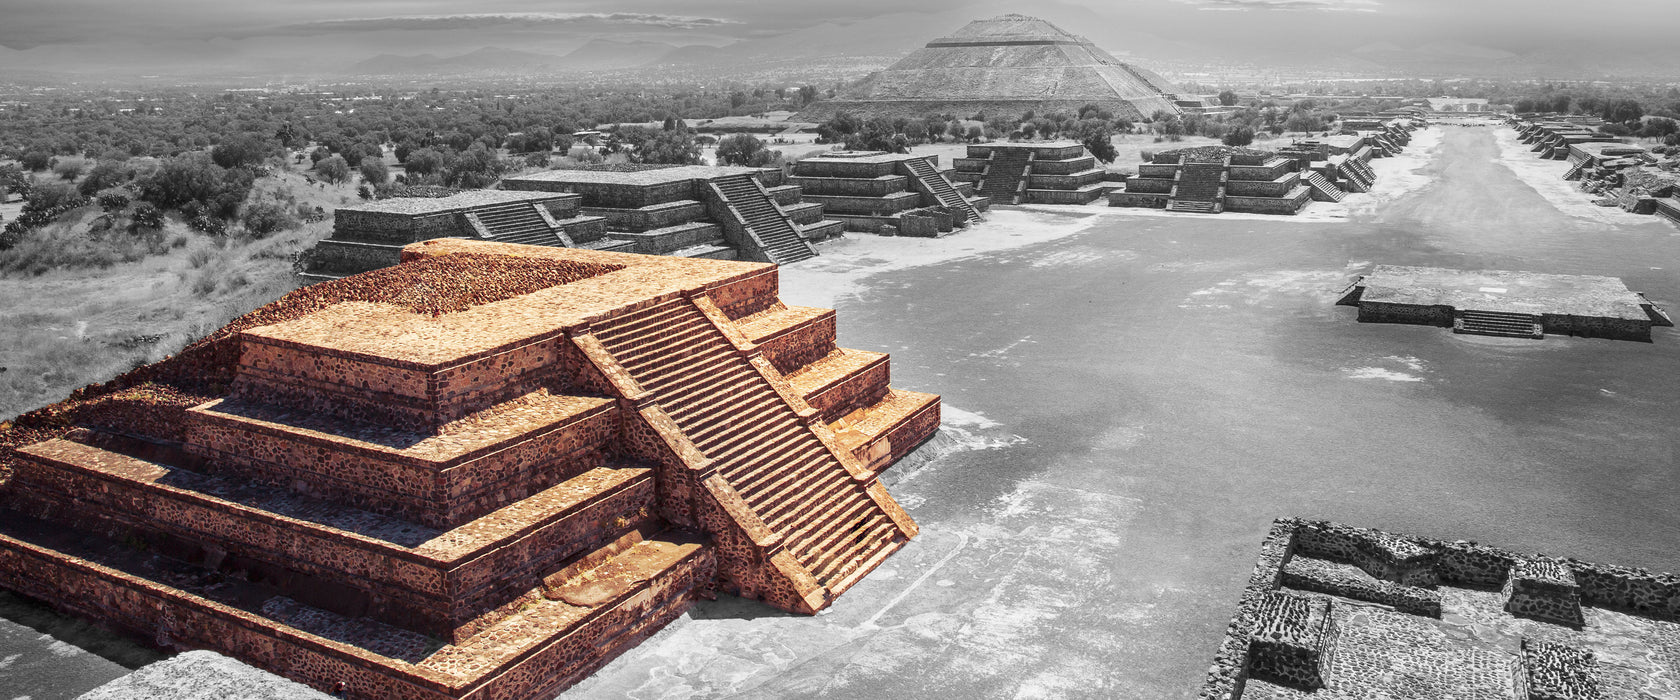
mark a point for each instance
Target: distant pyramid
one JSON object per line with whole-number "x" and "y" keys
{"x": 1006, "y": 65}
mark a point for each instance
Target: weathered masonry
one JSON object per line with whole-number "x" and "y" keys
{"x": 1048, "y": 172}
{"x": 1347, "y": 612}
{"x": 481, "y": 473}
{"x": 871, "y": 190}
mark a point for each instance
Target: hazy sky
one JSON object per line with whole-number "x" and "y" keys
{"x": 339, "y": 27}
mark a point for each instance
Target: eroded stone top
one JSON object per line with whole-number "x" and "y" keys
{"x": 1503, "y": 290}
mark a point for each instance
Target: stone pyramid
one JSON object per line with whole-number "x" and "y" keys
{"x": 1005, "y": 65}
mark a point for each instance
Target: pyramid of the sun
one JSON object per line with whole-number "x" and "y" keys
{"x": 1005, "y": 65}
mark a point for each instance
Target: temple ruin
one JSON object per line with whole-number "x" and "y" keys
{"x": 875, "y": 192}
{"x": 1552, "y": 139}
{"x": 1214, "y": 179}
{"x": 1009, "y": 64}
{"x": 725, "y": 213}
{"x": 1047, "y": 172}
{"x": 1353, "y": 612}
{"x": 1505, "y": 304}
{"x": 481, "y": 473}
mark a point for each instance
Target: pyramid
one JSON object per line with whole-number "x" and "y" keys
{"x": 1005, "y": 65}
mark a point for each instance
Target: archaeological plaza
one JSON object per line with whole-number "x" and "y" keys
{"x": 1379, "y": 409}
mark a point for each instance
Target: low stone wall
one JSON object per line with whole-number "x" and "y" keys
{"x": 1383, "y": 312}
{"x": 1082, "y": 195}
{"x": 792, "y": 348}
{"x": 1061, "y": 152}
{"x": 674, "y": 238}
{"x": 879, "y": 186}
{"x": 1150, "y": 185}
{"x": 861, "y": 389}
{"x": 1137, "y": 199}
{"x": 785, "y": 195}
{"x": 899, "y": 440}
{"x": 1292, "y": 204}
{"x": 1261, "y": 172}
{"x": 1597, "y": 327}
{"x": 335, "y": 257}
{"x": 870, "y": 206}
{"x": 1071, "y": 181}
{"x": 1308, "y": 575}
{"x": 1067, "y": 166}
{"x": 1157, "y": 170}
{"x": 1261, "y": 188}
{"x": 747, "y": 294}
{"x": 842, "y": 167}
{"x": 400, "y": 229}
{"x": 651, "y": 216}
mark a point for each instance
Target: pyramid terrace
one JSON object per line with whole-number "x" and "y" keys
{"x": 872, "y": 191}
{"x": 481, "y": 473}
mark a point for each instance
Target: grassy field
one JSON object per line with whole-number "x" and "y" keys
{"x": 70, "y": 326}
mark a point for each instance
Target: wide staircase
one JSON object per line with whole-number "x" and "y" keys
{"x": 942, "y": 191}
{"x": 1004, "y": 173}
{"x": 782, "y": 243}
{"x": 1322, "y": 190}
{"x": 1199, "y": 189}
{"x": 1502, "y": 324}
{"x": 784, "y": 472}
{"x": 518, "y": 222}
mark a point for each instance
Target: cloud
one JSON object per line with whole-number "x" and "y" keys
{"x": 497, "y": 19}
{"x": 1292, "y": 5}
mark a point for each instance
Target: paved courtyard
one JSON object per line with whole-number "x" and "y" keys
{"x": 1131, "y": 398}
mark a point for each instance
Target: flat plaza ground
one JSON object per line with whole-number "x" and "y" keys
{"x": 1131, "y": 397}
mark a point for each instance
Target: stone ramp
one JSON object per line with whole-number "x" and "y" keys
{"x": 935, "y": 184}
{"x": 782, "y": 242}
{"x": 834, "y": 520}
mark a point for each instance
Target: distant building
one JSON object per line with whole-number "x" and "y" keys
{"x": 1458, "y": 104}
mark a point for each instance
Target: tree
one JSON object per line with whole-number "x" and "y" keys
{"x": 241, "y": 150}
{"x": 424, "y": 162}
{"x": 1623, "y": 111}
{"x": 738, "y": 149}
{"x": 1227, "y": 98}
{"x": 1097, "y": 141}
{"x": 333, "y": 169}
{"x": 69, "y": 168}
{"x": 104, "y": 174}
{"x": 676, "y": 147}
{"x": 1240, "y": 136}
{"x": 36, "y": 161}
{"x": 374, "y": 171}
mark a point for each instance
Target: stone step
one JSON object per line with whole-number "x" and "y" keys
{"x": 539, "y": 649}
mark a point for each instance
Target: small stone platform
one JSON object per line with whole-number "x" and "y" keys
{"x": 1504, "y": 303}
{"x": 1325, "y": 616}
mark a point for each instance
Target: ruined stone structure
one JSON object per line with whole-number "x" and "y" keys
{"x": 482, "y": 473}
{"x": 1502, "y": 303}
{"x": 694, "y": 210}
{"x": 1007, "y": 65}
{"x": 1552, "y": 139}
{"x": 1412, "y": 602}
{"x": 1343, "y": 160}
{"x": 372, "y": 235}
{"x": 1049, "y": 172}
{"x": 1214, "y": 179}
{"x": 872, "y": 190}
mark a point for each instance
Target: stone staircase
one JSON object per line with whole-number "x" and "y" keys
{"x": 784, "y": 472}
{"x": 1200, "y": 189}
{"x": 518, "y": 222}
{"x": 782, "y": 242}
{"x": 1497, "y": 323}
{"x": 1004, "y": 174}
{"x": 1322, "y": 190}
{"x": 941, "y": 189}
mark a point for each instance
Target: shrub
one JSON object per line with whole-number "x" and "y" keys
{"x": 105, "y": 175}
{"x": 242, "y": 150}
{"x": 374, "y": 171}
{"x": 1240, "y": 136}
{"x": 113, "y": 201}
{"x": 69, "y": 168}
{"x": 264, "y": 218}
{"x": 738, "y": 149}
{"x": 146, "y": 216}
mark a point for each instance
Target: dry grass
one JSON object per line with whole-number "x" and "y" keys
{"x": 70, "y": 328}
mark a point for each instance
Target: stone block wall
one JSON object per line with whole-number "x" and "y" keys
{"x": 651, "y": 216}
{"x": 841, "y": 168}
{"x": 1292, "y": 203}
{"x": 1597, "y": 327}
{"x": 878, "y": 186}
{"x": 401, "y": 229}
{"x": 1383, "y": 312}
